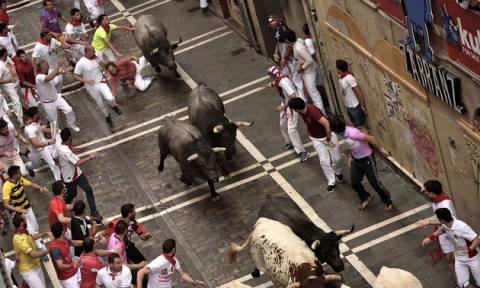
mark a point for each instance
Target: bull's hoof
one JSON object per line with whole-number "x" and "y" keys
{"x": 215, "y": 198}
{"x": 160, "y": 168}
{"x": 255, "y": 273}
{"x": 177, "y": 75}
{"x": 187, "y": 182}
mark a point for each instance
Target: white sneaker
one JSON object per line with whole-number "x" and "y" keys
{"x": 75, "y": 128}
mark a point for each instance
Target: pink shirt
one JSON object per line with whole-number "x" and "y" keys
{"x": 7, "y": 143}
{"x": 354, "y": 139}
{"x": 115, "y": 243}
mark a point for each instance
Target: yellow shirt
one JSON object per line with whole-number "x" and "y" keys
{"x": 14, "y": 192}
{"x": 24, "y": 244}
{"x": 97, "y": 43}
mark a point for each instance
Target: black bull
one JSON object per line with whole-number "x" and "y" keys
{"x": 324, "y": 245}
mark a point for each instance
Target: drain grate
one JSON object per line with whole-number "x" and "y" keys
{"x": 191, "y": 10}
{"x": 238, "y": 51}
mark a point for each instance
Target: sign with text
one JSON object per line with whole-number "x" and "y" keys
{"x": 462, "y": 27}
{"x": 438, "y": 81}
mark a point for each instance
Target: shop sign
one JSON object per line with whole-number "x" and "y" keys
{"x": 462, "y": 28}
{"x": 438, "y": 81}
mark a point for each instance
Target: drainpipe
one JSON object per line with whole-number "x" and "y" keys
{"x": 322, "y": 57}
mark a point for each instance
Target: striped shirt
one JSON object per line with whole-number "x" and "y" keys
{"x": 14, "y": 192}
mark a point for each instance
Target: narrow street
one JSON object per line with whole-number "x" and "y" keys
{"x": 125, "y": 169}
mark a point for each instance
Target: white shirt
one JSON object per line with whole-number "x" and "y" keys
{"x": 161, "y": 272}
{"x": 302, "y": 57}
{"x": 6, "y": 41}
{"x": 122, "y": 279}
{"x": 447, "y": 203}
{"x": 287, "y": 87}
{"x": 89, "y": 70}
{"x": 75, "y": 32}
{"x": 310, "y": 46}
{"x": 47, "y": 52}
{"x": 46, "y": 89}
{"x": 458, "y": 234}
{"x": 346, "y": 86}
{"x": 33, "y": 130}
{"x": 67, "y": 161}
{"x": 5, "y": 75}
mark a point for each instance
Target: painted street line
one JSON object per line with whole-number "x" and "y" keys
{"x": 239, "y": 280}
{"x": 385, "y": 237}
{"x": 265, "y": 285}
{"x": 202, "y": 42}
{"x": 386, "y": 222}
{"x": 24, "y": 6}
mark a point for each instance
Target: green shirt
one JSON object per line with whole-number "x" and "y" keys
{"x": 97, "y": 42}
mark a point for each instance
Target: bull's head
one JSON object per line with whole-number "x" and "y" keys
{"x": 164, "y": 54}
{"x": 206, "y": 162}
{"x": 326, "y": 249}
{"x": 226, "y": 134}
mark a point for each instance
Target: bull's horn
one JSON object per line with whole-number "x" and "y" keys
{"x": 294, "y": 285}
{"x": 174, "y": 44}
{"x": 192, "y": 157}
{"x": 218, "y": 128}
{"x": 329, "y": 278}
{"x": 154, "y": 51}
{"x": 315, "y": 244}
{"x": 243, "y": 124}
{"x": 218, "y": 149}
{"x": 341, "y": 233}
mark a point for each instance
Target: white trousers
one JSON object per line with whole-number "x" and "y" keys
{"x": 10, "y": 92}
{"x": 203, "y": 3}
{"x": 32, "y": 227}
{"x": 289, "y": 129}
{"x": 72, "y": 282}
{"x": 52, "y": 108}
{"x": 310, "y": 85}
{"x": 141, "y": 83}
{"x": 15, "y": 160}
{"x": 46, "y": 155}
{"x": 106, "y": 55}
{"x": 31, "y": 101}
{"x": 101, "y": 93}
{"x": 94, "y": 9}
{"x": 329, "y": 157}
{"x": 463, "y": 267}
{"x": 34, "y": 278}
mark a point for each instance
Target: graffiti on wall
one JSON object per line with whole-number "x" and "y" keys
{"x": 395, "y": 108}
{"x": 425, "y": 145}
{"x": 473, "y": 154}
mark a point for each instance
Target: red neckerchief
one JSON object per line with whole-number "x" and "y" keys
{"x": 22, "y": 230}
{"x": 107, "y": 29}
{"x": 343, "y": 74}
{"x": 170, "y": 259}
{"x": 471, "y": 253}
{"x": 307, "y": 36}
{"x": 75, "y": 22}
{"x": 440, "y": 198}
{"x": 112, "y": 275}
{"x": 43, "y": 41}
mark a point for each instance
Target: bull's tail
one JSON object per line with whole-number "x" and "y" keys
{"x": 234, "y": 248}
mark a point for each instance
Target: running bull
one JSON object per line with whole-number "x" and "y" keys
{"x": 207, "y": 113}
{"x": 151, "y": 37}
{"x": 324, "y": 245}
{"x": 283, "y": 256}
{"x": 194, "y": 154}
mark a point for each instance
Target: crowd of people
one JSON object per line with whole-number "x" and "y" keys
{"x": 297, "y": 81}
{"x": 74, "y": 241}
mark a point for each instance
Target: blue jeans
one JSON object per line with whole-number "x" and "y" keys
{"x": 357, "y": 116}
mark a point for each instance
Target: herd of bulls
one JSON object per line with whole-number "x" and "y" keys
{"x": 284, "y": 243}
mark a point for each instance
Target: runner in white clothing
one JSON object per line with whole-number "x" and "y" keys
{"x": 76, "y": 35}
{"x": 465, "y": 243}
{"x": 89, "y": 72}
{"x": 95, "y": 8}
{"x": 115, "y": 275}
{"x": 305, "y": 66}
{"x": 288, "y": 117}
{"x": 160, "y": 271}
{"x": 51, "y": 100}
{"x": 40, "y": 148}
{"x": 47, "y": 48}
{"x": 8, "y": 40}
{"x": 8, "y": 77}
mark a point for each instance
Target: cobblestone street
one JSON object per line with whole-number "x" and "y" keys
{"x": 125, "y": 169}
